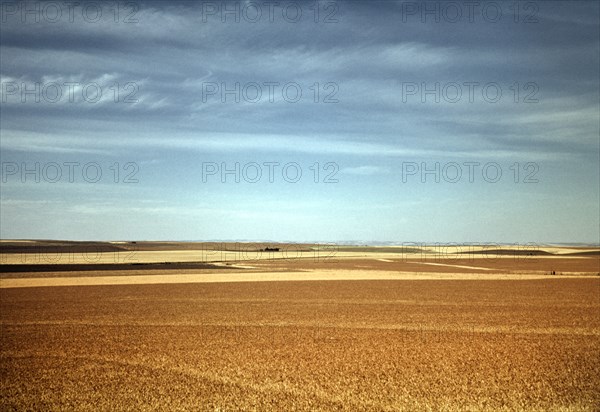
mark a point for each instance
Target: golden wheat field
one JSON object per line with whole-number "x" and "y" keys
{"x": 496, "y": 334}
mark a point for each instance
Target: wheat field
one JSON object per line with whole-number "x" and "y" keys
{"x": 428, "y": 344}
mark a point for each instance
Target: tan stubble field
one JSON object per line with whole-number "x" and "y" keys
{"x": 498, "y": 336}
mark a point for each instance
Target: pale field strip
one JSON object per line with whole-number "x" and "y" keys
{"x": 210, "y": 256}
{"x": 452, "y": 266}
{"x": 180, "y": 256}
{"x": 558, "y": 250}
{"x": 261, "y": 277}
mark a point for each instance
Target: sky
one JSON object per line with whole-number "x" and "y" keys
{"x": 334, "y": 121}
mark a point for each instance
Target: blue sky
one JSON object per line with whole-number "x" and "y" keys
{"x": 370, "y": 94}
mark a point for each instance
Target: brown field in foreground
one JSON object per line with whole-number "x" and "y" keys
{"x": 451, "y": 344}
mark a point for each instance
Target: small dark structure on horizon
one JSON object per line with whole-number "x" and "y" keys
{"x": 271, "y": 249}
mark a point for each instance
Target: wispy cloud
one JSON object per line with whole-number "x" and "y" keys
{"x": 364, "y": 170}
{"x": 350, "y": 77}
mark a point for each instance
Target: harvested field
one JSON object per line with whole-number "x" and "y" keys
{"x": 243, "y": 339}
